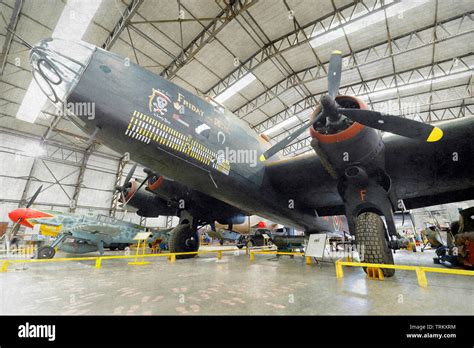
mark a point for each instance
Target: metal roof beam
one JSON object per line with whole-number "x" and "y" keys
{"x": 9, "y": 37}
{"x": 298, "y": 37}
{"x": 122, "y": 23}
{"x": 365, "y": 56}
{"x": 206, "y": 35}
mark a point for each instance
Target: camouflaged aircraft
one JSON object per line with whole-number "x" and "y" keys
{"x": 77, "y": 234}
{"x": 200, "y": 158}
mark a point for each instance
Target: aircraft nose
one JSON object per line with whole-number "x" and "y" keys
{"x": 58, "y": 65}
{"x": 16, "y": 214}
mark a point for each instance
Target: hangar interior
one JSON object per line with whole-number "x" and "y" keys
{"x": 267, "y": 62}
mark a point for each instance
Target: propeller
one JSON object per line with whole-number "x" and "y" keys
{"x": 333, "y": 116}
{"x": 18, "y": 222}
{"x": 334, "y": 74}
{"x": 394, "y": 124}
{"x": 127, "y": 184}
{"x": 279, "y": 146}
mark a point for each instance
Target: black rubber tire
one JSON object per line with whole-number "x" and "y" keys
{"x": 371, "y": 235}
{"x": 113, "y": 248}
{"x": 45, "y": 252}
{"x": 122, "y": 246}
{"x": 177, "y": 243}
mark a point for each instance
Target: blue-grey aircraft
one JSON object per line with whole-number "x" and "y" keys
{"x": 78, "y": 233}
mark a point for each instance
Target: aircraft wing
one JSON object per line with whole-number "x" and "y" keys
{"x": 422, "y": 173}
{"x": 109, "y": 230}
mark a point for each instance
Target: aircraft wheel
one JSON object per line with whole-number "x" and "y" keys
{"x": 371, "y": 236}
{"x": 183, "y": 239}
{"x": 45, "y": 252}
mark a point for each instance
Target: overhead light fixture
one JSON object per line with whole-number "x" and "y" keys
{"x": 236, "y": 87}
{"x": 322, "y": 36}
{"x": 72, "y": 24}
{"x": 281, "y": 125}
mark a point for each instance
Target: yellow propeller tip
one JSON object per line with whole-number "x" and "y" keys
{"x": 262, "y": 158}
{"x": 336, "y": 52}
{"x": 435, "y": 135}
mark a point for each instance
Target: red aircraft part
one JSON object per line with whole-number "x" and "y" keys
{"x": 131, "y": 192}
{"x": 156, "y": 184}
{"x": 26, "y": 213}
{"x": 346, "y": 134}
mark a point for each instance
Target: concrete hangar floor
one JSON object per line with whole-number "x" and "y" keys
{"x": 233, "y": 285}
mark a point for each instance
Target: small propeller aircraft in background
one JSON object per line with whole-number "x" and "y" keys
{"x": 77, "y": 234}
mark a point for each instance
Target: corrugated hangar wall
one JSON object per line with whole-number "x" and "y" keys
{"x": 57, "y": 167}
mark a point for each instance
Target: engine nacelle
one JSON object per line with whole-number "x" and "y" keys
{"x": 165, "y": 187}
{"x": 352, "y": 143}
{"x": 147, "y": 203}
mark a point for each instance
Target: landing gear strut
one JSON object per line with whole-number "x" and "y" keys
{"x": 48, "y": 252}
{"x": 365, "y": 200}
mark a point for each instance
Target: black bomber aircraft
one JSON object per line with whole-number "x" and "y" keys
{"x": 184, "y": 142}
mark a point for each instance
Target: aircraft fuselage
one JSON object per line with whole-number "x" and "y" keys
{"x": 181, "y": 136}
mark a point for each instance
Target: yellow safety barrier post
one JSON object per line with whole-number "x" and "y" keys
{"x": 308, "y": 260}
{"x": 252, "y": 256}
{"x": 219, "y": 254}
{"x": 141, "y": 237}
{"x": 421, "y": 276}
{"x": 98, "y": 262}
{"x": 339, "y": 270}
{"x": 420, "y": 271}
{"x": 375, "y": 273}
{"x": 4, "y": 266}
{"x": 172, "y": 258}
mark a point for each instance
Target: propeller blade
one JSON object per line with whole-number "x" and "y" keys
{"x": 32, "y": 199}
{"x": 129, "y": 175}
{"x": 334, "y": 73}
{"x": 138, "y": 189}
{"x": 394, "y": 124}
{"x": 14, "y": 230}
{"x": 281, "y": 144}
